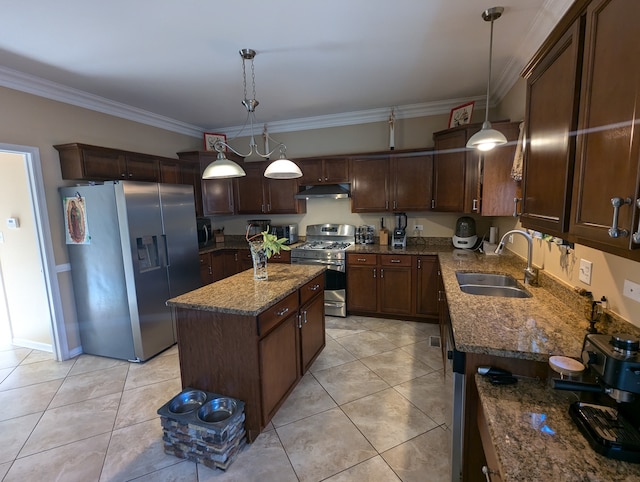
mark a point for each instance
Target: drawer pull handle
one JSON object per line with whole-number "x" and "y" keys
{"x": 282, "y": 311}
{"x": 617, "y": 203}
{"x": 395, "y": 261}
{"x": 362, "y": 260}
{"x": 516, "y": 200}
{"x": 315, "y": 287}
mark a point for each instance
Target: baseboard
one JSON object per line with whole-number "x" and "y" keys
{"x": 75, "y": 352}
{"x": 34, "y": 345}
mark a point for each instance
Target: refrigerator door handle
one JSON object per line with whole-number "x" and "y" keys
{"x": 166, "y": 250}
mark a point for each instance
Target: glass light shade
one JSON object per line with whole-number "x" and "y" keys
{"x": 486, "y": 138}
{"x": 222, "y": 168}
{"x": 282, "y": 169}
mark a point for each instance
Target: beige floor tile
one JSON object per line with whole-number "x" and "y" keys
{"x": 4, "y": 373}
{"x": 78, "y": 461}
{"x": 427, "y": 354}
{"x": 70, "y": 423}
{"x": 39, "y": 372}
{"x": 387, "y": 419}
{"x": 141, "y": 404}
{"x": 426, "y": 457}
{"x": 158, "y": 369}
{"x": 308, "y": 398}
{"x": 323, "y": 445}
{"x": 372, "y": 470}
{"x": 401, "y": 335}
{"x": 90, "y": 385}
{"x": 135, "y": 451}
{"x": 25, "y": 400}
{"x": 91, "y": 363}
{"x": 4, "y": 468}
{"x": 332, "y": 355}
{"x": 366, "y": 343}
{"x": 396, "y": 366}
{"x": 377, "y": 324}
{"x": 173, "y": 350}
{"x": 339, "y": 327}
{"x": 262, "y": 461}
{"x": 182, "y": 471}
{"x": 432, "y": 394}
{"x": 13, "y": 433}
{"x": 38, "y": 356}
{"x": 350, "y": 381}
{"x": 12, "y": 358}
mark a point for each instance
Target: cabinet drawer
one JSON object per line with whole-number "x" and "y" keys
{"x": 312, "y": 288}
{"x": 368, "y": 259}
{"x": 277, "y": 313}
{"x": 395, "y": 260}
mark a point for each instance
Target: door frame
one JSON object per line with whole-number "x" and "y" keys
{"x": 35, "y": 185}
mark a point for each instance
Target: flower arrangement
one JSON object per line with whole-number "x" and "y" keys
{"x": 270, "y": 242}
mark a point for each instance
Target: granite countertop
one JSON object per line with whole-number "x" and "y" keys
{"x": 242, "y": 295}
{"x": 536, "y": 439}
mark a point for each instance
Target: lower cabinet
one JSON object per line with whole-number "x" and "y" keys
{"x": 220, "y": 264}
{"x": 392, "y": 285}
{"x": 311, "y": 323}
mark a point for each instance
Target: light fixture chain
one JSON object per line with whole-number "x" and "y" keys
{"x": 253, "y": 79}
{"x": 244, "y": 78}
{"x": 486, "y": 115}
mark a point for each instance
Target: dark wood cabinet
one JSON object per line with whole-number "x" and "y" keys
{"x": 256, "y": 194}
{"x": 449, "y": 170}
{"x": 608, "y": 140}
{"x": 362, "y": 282}
{"x": 141, "y": 168}
{"x": 206, "y": 270}
{"x": 370, "y": 184}
{"x": 170, "y": 172}
{"x": 329, "y": 170}
{"x": 216, "y": 195}
{"x": 426, "y": 278}
{"x": 551, "y": 120}
{"x": 311, "y": 323}
{"x": 395, "y": 294}
{"x": 411, "y": 181}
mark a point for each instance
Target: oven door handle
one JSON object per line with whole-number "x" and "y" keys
{"x": 317, "y": 261}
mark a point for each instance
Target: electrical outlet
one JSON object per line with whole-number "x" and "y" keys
{"x": 631, "y": 290}
{"x": 585, "y": 271}
{"x": 418, "y": 227}
{"x": 511, "y": 238}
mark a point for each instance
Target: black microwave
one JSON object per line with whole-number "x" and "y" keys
{"x": 205, "y": 233}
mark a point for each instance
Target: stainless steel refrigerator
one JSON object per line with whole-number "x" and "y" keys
{"x": 132, "y": 246}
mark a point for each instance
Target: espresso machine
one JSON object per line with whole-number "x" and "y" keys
{"x": 399, "y": 238}
{"x": 610, "y": 419}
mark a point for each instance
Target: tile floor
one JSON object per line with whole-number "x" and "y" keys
{"x": 373, "y": 407}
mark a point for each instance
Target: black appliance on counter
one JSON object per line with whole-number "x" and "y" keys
{"x": 399, "y": 237}
{"x": 205, "y": 233}
{"x": 611, "y": 424}
{"x": 286, "y": 231}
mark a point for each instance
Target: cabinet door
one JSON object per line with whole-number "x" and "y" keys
{"x": 311, "y": 172}
{"x": 279, "y": 196}
{"x": 230, "y": 262}
{"x": 312, "y": 339}
{"x": 142, "y": 169}
{"x": 217, "y": 196}
{"x": 249, "y": 198}
{"x": 369, "y": 185}
{"x": 426, "y": 286}
{"x": 362, "y": 283}
{"x": 552, "y": 106}
{"x": 245, "y": 261}
{"x": 394, "y": 289}
{"x": 449, "y": 169}
{"x": 190, "y": 174}
{"x": 217, "y": 265}
{"x": 336, "y": 171}
{"x": 607, "y": 158}
{"x": 170, "y": 171}
{"x": 103, "y": 165}
{"x": 206, "y": 272}
{"x": 412, "y": 181}
{"x": 444, "y": 321}
{"x": 279, "y": 359}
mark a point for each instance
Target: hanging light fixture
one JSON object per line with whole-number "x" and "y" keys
{"x": 281, "y": 168}
{"x": 487, "y": 137}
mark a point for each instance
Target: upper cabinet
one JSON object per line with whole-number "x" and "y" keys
{"x": 606, "y": 199}
{"x": 256, "y": 194}
{"x": 551, "y": 120}
{"x": 216, "y": 195}
{"x": 327, "y": 170}
{"x": 583, "y": 98}
{"x": 465, "y": 181}
{"x": 391, "y": 181}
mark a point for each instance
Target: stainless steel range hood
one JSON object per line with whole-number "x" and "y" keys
{"x": 335, "y": 191}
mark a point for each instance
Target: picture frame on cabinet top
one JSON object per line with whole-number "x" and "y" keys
{"x": 210, "y": 139}
{"x": 461, "y": 115}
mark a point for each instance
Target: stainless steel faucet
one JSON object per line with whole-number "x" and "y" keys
{"x": 530, "y": 273}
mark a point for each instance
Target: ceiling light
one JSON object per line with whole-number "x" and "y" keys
{"x": 487, "y": 138}
{"x": 281, "y": 168}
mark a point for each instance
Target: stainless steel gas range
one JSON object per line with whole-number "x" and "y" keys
{"x": 326, "y": 245}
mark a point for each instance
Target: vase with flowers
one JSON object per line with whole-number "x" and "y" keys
{"x": 264, "y": 245}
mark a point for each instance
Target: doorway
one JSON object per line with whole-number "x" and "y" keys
{"x": 30, "y": 302}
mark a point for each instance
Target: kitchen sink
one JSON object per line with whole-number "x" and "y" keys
{"x": 491, "y": 284}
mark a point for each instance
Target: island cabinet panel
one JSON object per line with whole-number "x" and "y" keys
{"x": 279, "y": 365}
{"x": 312, "y": 339}
{"x": 278, "y": 312}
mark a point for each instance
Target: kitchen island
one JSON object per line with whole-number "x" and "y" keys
{"x": 252, "y": 340}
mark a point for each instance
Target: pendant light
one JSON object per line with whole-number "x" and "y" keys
{"x": 487, "y": 137}
{"x": 281, "y": 168}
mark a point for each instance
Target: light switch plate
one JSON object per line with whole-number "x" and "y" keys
{"x": 585, "y": 271}
{"x": 631, "y": 290}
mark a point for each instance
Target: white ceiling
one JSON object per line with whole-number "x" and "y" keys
{"x": 320, "y": 62}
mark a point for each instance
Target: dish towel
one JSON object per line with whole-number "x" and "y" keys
{"x": 516, "y": 169}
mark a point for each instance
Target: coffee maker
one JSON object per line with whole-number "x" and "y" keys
{"x": 609, "y": 416}
{"x": 399, "y": 238}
